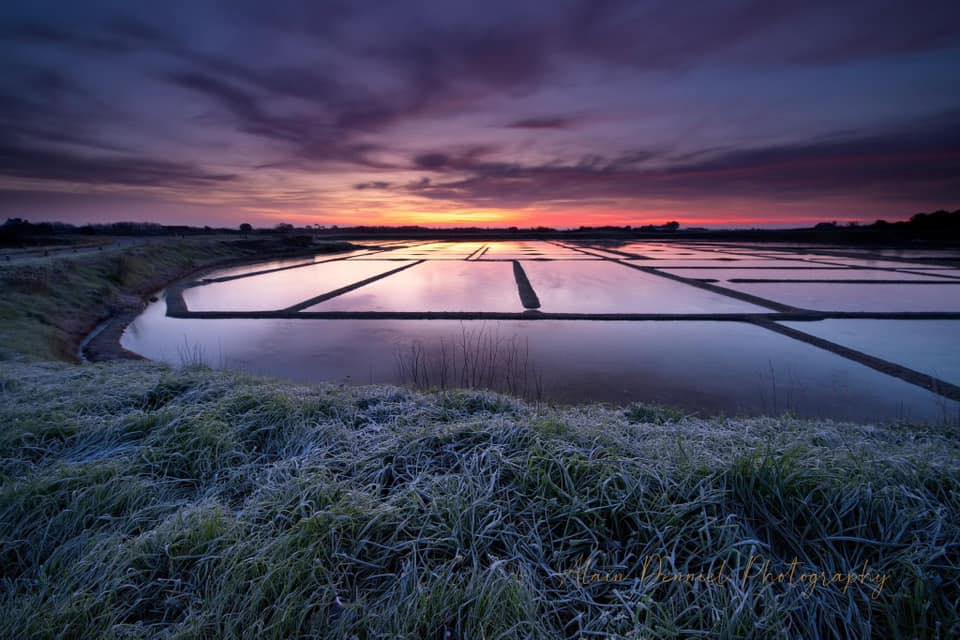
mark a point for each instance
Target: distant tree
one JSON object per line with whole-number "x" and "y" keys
{"x": 939, "y": 219}
{"x": 284, "y": 226}
{"x": 673, "y": 225}
{"x": 246, "y": 227}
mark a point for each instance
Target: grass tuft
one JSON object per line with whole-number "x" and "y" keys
{"x": 652, "y": 414}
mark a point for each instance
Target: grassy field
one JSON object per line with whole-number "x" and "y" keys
{"x": 139, "y": 501}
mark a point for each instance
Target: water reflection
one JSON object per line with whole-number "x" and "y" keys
{"x": 436, "y": 286}
{"x": 282, "y": 288}
{"x": 835, "y": 296}
{"x": 608, "y": 287}
{"x": 708, "y": 367}
{"x": 700, "y": 365}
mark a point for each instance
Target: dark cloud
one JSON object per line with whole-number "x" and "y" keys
{"x": 59, "y": 165}
{"x": 483, "y": 160}
{"x": 233, "y": 98}
{"x": 671, "y": 35}
{"x": 668, "y": 35}
{"x": 506, "y": 58}
{"x": 458, "y": 159}
{"x": 317, "y": 135}
{"x": 416, "y": 185}
{"x": 917, "y": 160}
{"x": 43, "y": 34}
{"x": 554, "y": 122}
{"x": 32, "y": 116}
{"x": 376, "y": 184}
{"x": 431, "y": 161}
{"x": 137, "y": 32}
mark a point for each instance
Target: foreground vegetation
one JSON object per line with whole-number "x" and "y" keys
{"x": 140, "y": 501}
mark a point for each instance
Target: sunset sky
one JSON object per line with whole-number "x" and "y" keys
{"x": 479, "y": 113}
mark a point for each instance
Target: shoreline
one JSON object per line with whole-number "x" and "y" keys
{"x": 100, "y": 342}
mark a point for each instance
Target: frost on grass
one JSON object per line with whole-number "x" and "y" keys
{"x": 138, "y": 501}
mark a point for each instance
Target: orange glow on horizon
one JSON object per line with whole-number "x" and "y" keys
{"x": 409, "y": 212}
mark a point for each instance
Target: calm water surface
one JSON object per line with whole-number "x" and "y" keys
{"x": 706, "y": 366}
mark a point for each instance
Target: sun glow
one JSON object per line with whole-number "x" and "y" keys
{"x": 450, "y": 218}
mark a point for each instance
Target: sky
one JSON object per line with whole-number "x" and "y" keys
{"x": 466, "y": 113}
